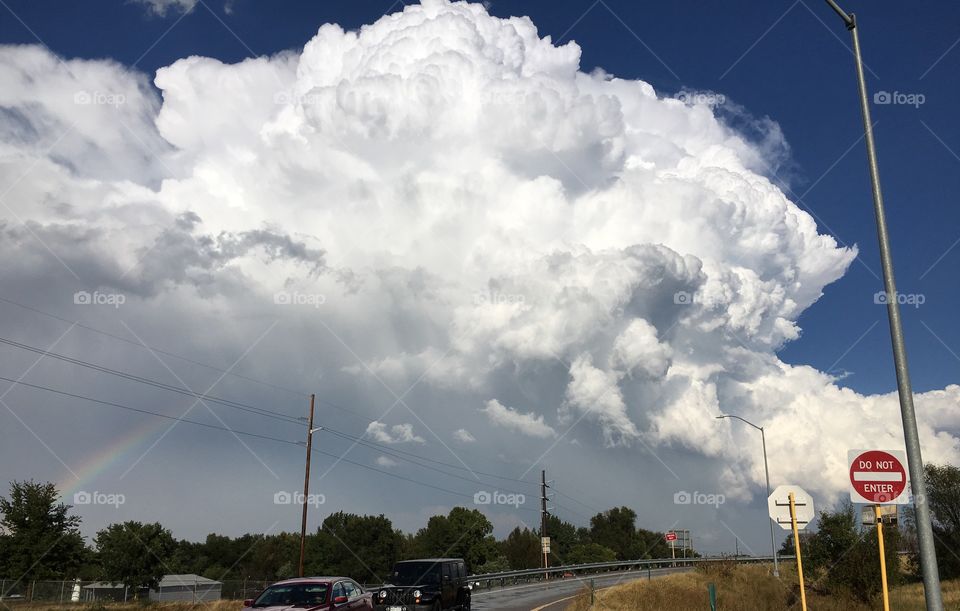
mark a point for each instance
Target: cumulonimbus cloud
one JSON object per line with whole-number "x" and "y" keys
{"x": 459, "y": 172}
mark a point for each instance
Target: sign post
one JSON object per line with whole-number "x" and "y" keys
{"x": 796, "y": 547}
{"x": 878, "y": 478}
{"x": 883, "y": 558}
{"x": 792, "y": 508}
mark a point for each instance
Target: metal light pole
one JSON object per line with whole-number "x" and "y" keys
{"x": 766, "y": 472}
{"x": 306, "y": 489}
{"x": 928, "y": 556}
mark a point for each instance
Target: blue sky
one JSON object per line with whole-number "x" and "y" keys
{"x": 787, "y": 61}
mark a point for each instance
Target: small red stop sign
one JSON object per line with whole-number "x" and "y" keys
{"x": 877, "y": 476}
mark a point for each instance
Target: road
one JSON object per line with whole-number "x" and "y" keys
{"x": 554, "y": 595}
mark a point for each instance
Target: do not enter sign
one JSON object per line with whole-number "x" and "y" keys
{"x": 878, "y": 477}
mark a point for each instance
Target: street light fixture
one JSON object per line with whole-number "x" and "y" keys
{"x": 928, "y": 556}
{"x": 766, "y": 471}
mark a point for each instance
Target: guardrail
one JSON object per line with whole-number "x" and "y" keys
{"x": 487, "y": 580}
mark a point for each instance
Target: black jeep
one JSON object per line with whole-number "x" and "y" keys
{"x": 436, "y": 584}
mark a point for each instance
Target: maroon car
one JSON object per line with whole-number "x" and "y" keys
{"x": 314, "y": 593}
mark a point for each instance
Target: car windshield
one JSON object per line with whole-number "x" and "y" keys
{"x": 415, "y": 573}
{"x": 295, "y": 594}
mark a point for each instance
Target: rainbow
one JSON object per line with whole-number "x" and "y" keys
{"x": 87, "y": 475}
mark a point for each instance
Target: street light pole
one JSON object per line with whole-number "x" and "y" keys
{"x": 766, "y": 472}
{"x": 928, "y": 556}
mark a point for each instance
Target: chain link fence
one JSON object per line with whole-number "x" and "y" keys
{"x": 185, "y": 590}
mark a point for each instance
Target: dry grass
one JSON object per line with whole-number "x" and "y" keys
{"x": 220, "y": 605}
{"x": 743, "y": 588}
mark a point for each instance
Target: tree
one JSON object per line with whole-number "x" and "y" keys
{"x": 522, "y": 549}
{"x": 848, "y": 558}
{"x": 563, "y": 537}
{"x": 584, "y": 553}
{"x": 615, "y": 529}
{"x": 361, "y": 547}
{"x": 134, "y": 554}
{"x": 943, "y": 494}
{"x": 42, "y": 540}
{"x": 463, "y": 533}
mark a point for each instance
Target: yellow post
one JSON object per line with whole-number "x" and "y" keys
{"x": 796, "y": 547}
{"x": 883, "y": 559}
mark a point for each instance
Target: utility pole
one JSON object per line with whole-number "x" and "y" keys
{"x": 543, "y": 519}
{"x": 306, "y": 487}
{"x": 908, "y": 415}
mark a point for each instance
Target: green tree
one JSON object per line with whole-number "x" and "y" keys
{"x": 846, "y": 558}
{"x": 522, "y": 549}
{"x": 42, "y": 540}
{"x": 361, "y": 547}
{"x": 943, "y": 493}
{"x": 134, "y": 554}
{"x": 463, "y": 533}
{"x": 615, "y": 529}
{"x": 563, "y": 537}
{"x": 584, "y": 553}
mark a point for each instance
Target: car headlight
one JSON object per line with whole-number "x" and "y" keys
{"x": 383, "y": 594}
{"x": 416, "y": 593}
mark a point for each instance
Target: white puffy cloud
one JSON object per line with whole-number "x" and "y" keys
{"x": 398, "y": 433}
{"x": 463, "y": 435}
{"x": 509, "y": 418}
{"x": 472, "y": 212}
{"x": 161, "y": 7}
{"x": 383, "y": 461}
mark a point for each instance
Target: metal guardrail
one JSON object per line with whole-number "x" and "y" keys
{"x": 511, "y": 577}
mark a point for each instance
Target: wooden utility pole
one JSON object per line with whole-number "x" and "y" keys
{"x": 543, "y": 520}
{"x": 306, "y": 488}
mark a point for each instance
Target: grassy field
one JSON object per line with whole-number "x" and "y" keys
{"x": 744, "y": 587}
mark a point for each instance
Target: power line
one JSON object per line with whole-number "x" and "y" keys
{"x": 389, "y": 452}
{"x": 242, "y": 406}
{"x": 395, "y": 452}
{"x": 153, "y": 348}
{"x": 229, "y": 430}
{"x": 387, "y": 449}
{"x": 156, "y": 384}
{"x": 193, "y": 361}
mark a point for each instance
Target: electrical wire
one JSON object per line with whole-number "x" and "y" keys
{"x": 156, "y": 384}
{"x": 81, "y": 325}
{"x": 246, "y": 407}
{"x": 236, "y": 432}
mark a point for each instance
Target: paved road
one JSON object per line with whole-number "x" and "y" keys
{"x": 554, "y": 595}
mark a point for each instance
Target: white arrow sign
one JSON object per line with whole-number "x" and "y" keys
{"x": 779, "y": 504}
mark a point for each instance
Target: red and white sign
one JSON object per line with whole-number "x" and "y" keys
{"x": 878, "y": 477}
{"x": 670, "y": 536}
